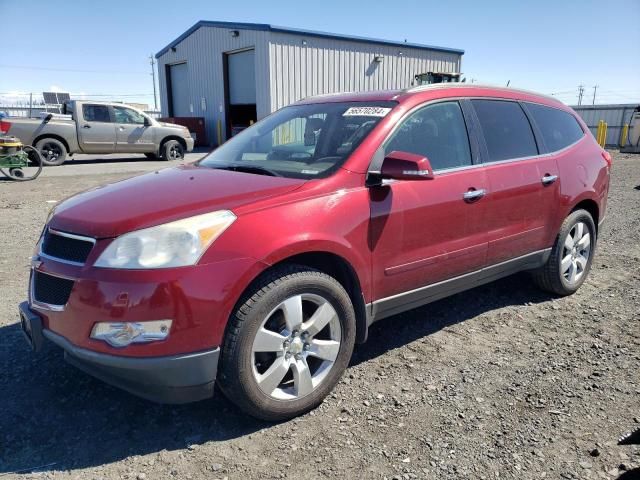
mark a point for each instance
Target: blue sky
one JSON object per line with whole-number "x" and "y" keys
{"x": 102, "y": 47}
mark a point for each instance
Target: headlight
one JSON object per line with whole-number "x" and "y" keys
{"x": 175, "y": 244}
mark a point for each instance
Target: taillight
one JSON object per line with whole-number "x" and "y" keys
{"x": 607, "y": 158}
{"x": 4, "y": 126}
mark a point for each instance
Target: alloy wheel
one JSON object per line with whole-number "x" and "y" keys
{"x": 296, "y": 347}
{"x": 50, "y": 152}
{"x": 175, "y": 152}
{"x": 575, "y": 253}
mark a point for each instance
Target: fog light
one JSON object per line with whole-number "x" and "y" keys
{"x": 121, "y": 334}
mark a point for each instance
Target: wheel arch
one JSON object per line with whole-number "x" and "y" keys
{"x": 172, "y": 137}
{"x": 591, "y": 206}
{"x": 334, "y": 265}
{"x": 54, "y": 136}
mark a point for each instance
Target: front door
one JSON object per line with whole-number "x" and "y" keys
{"x": 424, "y": 232}
{"x": 132, "y": 135}
{"x": 96, "y": 129}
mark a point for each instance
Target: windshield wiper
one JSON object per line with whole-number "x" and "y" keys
{"x": 250, "y": 169}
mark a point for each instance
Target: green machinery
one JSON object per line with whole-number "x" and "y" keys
{"x": 19, "y": 162}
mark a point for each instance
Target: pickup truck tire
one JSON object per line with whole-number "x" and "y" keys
{"x": 287, "y": 343}
{"x": 172, "y": 150}
{"x": 53, "y": 151}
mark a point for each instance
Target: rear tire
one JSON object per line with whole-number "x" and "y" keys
{"x": 287, "y": 344}
{"x": 53, "y": 151}
{"x": 172, "y": 150}
{"x": 571, "y": 256}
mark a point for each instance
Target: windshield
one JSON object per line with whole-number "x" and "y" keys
{"x": 300, "y": 141}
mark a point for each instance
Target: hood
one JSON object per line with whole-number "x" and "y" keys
{"x": 163, "y": 196}
{"x": 174, "y": 125}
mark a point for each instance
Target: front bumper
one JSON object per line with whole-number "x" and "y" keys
{"x": 190, "y": 142}
{"x": 169, "y": 379}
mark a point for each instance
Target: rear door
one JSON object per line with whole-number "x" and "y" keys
{"x": 131, "y": 133}
{"x": 557, "y": 132}
{"x": 523, "y": 183}
{"x": 423, "y": 232}
{"x": 96, "y": 130}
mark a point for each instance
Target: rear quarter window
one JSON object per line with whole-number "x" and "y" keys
{"x": 506, "y": 129}
{"x": 559, "y": 129}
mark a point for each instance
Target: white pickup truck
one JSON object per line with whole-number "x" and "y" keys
{"x": 96, "y": 127}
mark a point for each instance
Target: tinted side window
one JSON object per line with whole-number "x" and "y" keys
{"x": 96, "y": 113}
{"x": 559, "y": 129}
{"x": 506, "y": 129}
{"x": 437, "y": 132}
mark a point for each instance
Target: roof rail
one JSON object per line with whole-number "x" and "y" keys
{"x": 435, "y": 86}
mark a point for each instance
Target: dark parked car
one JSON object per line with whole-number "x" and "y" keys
{"x": 261, "y": 265}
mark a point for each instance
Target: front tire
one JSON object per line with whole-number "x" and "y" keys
{"x": 571, "y": 256}
{"x": 287, "y": 344}
{"x": 172, "y": 150}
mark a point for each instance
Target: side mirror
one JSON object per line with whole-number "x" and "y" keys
{"x": 399, "y": 165}
{"x": 147, "y": 122}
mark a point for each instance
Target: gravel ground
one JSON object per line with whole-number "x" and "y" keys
{"x": 502, "y": 381}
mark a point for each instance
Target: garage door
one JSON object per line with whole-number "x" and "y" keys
{"x": 241, "y": 93}
{"x": 242, "y": 78}
{"x": 180, "y": 91}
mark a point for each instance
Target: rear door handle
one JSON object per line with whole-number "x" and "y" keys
{"x": 473, "y": 195}
{"x": 549, "y": 179}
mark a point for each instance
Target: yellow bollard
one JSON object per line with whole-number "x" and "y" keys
{"x": 604, "y": 134}
{"x": 624, "y": 135}
{"x": 599, "y": 132}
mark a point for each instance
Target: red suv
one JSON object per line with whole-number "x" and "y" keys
{"x": 261, "y": 265}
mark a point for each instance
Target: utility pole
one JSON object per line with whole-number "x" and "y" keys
{"x": 580, "y": 93}
{"x": 153, "y": 75}
{"x": 595, "y": 87}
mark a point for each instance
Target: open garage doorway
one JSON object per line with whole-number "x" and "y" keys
{"x": 178, "y": 88}
{"x": 240, "y": 90}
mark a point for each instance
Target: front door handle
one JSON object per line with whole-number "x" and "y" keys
{"x": 473, "y": 195}
{"x": 549, "y": 179}
{"x": 86, "y": 126}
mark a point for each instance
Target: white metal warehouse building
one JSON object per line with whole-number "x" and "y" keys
{"x": 237, "y": 73}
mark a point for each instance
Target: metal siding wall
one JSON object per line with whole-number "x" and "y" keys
{"x": 202, "y": 51}
{"x": 328, "y": 66}
{"x": 615, "y": 116}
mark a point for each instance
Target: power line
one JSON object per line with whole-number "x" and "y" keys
{"x": 71, "y": 70}
{"x": 13, "y": 94}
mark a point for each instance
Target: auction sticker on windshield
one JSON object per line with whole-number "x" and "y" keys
{"x": 366, "y": 112}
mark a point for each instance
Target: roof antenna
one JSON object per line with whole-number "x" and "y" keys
{"x": 508, "y": 82}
